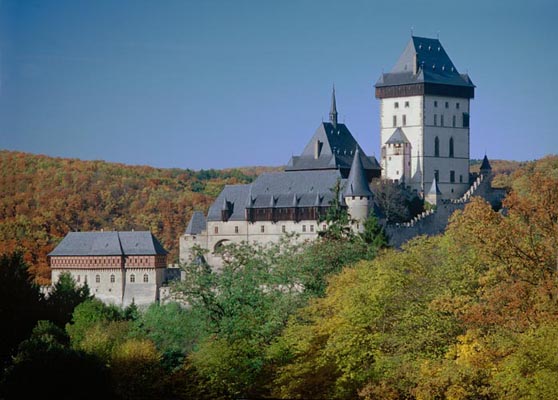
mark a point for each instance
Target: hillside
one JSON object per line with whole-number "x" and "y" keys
{"x": 42, "y": 198}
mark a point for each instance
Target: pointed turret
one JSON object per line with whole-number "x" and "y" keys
{"x": 333, "y": 110}
{"x": 357, "y": 193}
{"x": 434, "y": 195}
{"x": 485, "y": 166}
{"x": 357, "y": 184}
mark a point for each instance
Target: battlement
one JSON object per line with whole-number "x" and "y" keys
{"x": 434, "y": 221}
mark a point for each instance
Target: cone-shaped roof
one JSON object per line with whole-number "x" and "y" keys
{"x": 485, "y": 164}
{"x": 357, "y": 184}
{"x": 434, "y": 189}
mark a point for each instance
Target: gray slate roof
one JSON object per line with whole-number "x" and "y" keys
{"x": 434, "y": 188}
{"x": 337, "y": 150}
{"x": 197, "y": 224}
{"x": 485, "y": 164}
{"x": 430, "y": 61}
{"x": 277, "y": 189}
{"x": 357, "y": 184}
{"x": 398, "y": 137}
{"x": 108, "y": 244}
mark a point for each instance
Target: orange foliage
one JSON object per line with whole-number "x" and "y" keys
{"x": 43, "y": 198}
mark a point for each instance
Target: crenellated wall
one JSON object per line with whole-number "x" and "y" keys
{"x": 434, "y": 222}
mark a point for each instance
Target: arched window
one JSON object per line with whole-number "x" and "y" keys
{"x": 132, "y": 278}
{"x": 436, "y": 147}
{"x": 112, "y": 279}
{"x": 451, "y": 147}
{"x": 145, "y": 278}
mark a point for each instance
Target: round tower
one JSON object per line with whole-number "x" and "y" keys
{"x": 357, "y": 193}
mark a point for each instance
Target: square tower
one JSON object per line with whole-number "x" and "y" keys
{"x": 425, "y": 106}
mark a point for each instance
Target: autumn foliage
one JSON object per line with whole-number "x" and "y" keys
{"x": 43, "y": 198}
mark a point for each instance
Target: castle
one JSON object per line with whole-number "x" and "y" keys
{"x": 119, "y": 267}
{"x": 424, "y": 138}
{"x": 424, "y": 134}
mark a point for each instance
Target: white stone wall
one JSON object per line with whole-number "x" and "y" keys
{"x": 459, "y": 163}
{"x": 222, "y": 232}
{"x": 358, "y": 207}
{"x": 412, "y": 108}
{"x": 114, "y": 285}
{"x": 421, "y": 132}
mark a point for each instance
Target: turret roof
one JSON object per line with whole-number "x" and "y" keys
{"x": 434, "y": 189}
{"x": 197, "y": 224}
{"x": 485, "y": 164}
{"x": 357, "y": 184}
{"x": 397, "y": 137}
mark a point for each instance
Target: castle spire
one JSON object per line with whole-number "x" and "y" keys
{"x": 333, "y": 111}
{"x": 357, "y": 184}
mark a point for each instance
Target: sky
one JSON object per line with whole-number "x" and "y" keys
{"x": 216, "y": 84}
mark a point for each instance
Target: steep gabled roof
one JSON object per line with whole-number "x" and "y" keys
{"x": 197, "y": 224}
{"x": 108, "y": 244}
{"x": 357, "y": 184}
{"x": 424, "y": 60}
{"x": 336, "y": 150}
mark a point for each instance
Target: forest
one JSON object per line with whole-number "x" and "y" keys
{"x": 43, "y": 198}
{"x": 469, "y": 314}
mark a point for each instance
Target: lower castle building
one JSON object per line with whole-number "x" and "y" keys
{"x": 292, "y": 201}
{"x": 119, "y": 267}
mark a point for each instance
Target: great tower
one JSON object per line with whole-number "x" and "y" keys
{"x": 424, "y": 120}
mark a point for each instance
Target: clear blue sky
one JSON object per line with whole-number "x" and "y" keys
{"x": 215, "y": 84}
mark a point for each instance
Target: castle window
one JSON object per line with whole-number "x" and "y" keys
{"x": 262, "y": 228}
{"x": 98, "y": 278}
{"x": 145, "y": 278}
{"x": 283, "y": 229}
{"x": 447, "y": 104}
{"x": 465, "y": 120}
{"x": 311, "y": 228}
{"x": 396, "y": 104}
{"x": 216, "y": 230}
{"x": 303, "y": 228}
{"x": 406, "y": 104}
{"x": 404, "y": 120}
{"x": 112, "y": 278}
{"x": 453, "y": 121}
{"x": 436, "y": 147}
{"x": 132, "y": 278}
{"x": 395, "y": 120}
{"x": 236, "y": 229}
{"x": 460, "y": 178}
{"x": 457, "y": 106}
{"x": 435, "y": 119}
{"x": 452, "y": 176}
{"x": 437, "y": 175}
{"x": 451, "y": 147}
{"x": 442, "y": 120}
{"x": 435, "y": 103}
